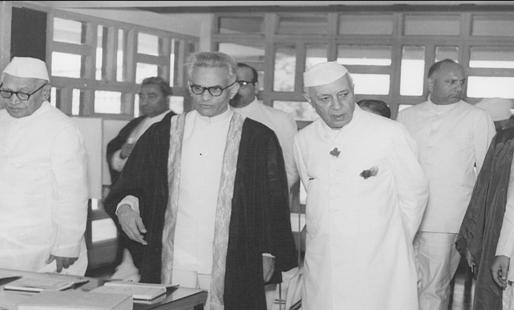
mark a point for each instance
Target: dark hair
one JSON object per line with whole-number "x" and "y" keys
{"x": 377, "y": 106}
{"x": 162, "y": 83}
{"x": 436, "y": 66}
{"x": 254, "y": 72}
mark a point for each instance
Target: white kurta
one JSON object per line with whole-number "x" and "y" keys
{"x": 284, "y": 127}
{"x": 43, "y": 190}
{"x": 451, "y": 140}
{"x": 359, "y": 252}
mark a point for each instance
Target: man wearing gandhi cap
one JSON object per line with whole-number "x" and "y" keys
{"x": 366, "y": 194}
{"x": 43, "y": 178}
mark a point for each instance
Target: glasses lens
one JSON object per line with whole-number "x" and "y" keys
{"x": 23, "y": 96}
{"x": 5, "y": 94}
{"x": 197, "y": 89}
{"x": 215, "y": 90}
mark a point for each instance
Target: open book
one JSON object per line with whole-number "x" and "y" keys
{"x": 138, "y": 291}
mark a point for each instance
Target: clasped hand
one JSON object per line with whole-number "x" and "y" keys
{"x": 500, "y": 270}
{"x": 132, "y": 224}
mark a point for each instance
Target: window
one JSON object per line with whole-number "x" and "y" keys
{"x": 303, "y": 24}
{"x": 412, "y": 70}
{"x": 371, "y": 84}
{"x": 68, "y": 31}
{"x": 366, "y": 24}
{"x": 495, "y": 26}
{"x": 432, "y": 25}
{"x": 300, "y": 111}
{"x": 364, "y": 55}
{"x": 447, "y": 52}
{"x": 492, "y": 57}
{"x": 66, "y": 65}
{"x": 145, "y": 70}
{"x": 315, "y": 55}
{"x": 241, "y": 24}
{"x": 107, "y": 102}
{"x": 147, "y": 44}
{"x": 490, "y": 86}
{"x": 285, "y": 67}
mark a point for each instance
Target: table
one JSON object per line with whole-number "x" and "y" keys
{"x": 182, "y": 298}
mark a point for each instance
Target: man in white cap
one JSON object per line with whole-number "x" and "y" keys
{"x": 499, "y": 110}
{"x": 366, "y": 194}
{"x": 43, "y": 176}
{"x": 453, "y": 137}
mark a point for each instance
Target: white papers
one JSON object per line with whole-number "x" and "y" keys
{"x": 43, "y": 282}
{"x": 76, "y": 300}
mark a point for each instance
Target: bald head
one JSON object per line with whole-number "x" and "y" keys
{"x": 446, "y": 82}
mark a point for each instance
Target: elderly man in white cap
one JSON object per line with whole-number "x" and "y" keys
{"x": 43, "y": 176}
{"x": 499, "y": 110}
{"x": 366, "y": 194}
{"x": 453, "y": 137}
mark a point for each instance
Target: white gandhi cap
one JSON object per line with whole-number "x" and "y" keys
{"x": 27, "y": 67}
{"x": 323, "y": 73}
{"x": 498, "y": 108}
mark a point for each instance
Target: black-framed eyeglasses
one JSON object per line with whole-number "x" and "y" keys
{"x": 7, "y": 94}
{"x": 215, "y": 91}
{"x": 243, "y": 83}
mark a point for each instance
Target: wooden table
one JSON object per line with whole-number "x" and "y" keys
{"x": 180, "y": 299}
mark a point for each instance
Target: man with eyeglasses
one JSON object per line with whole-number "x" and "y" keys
{"x": 204, "y": 196}
{"x": 43, "y": 176}
{"x": 154, "y": 107}
{"x": 453, "y": 137}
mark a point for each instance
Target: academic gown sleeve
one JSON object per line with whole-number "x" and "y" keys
{"x": 410, "y": 180}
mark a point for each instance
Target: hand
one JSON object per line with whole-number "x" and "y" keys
{"x": 126, "y": 149}
{"x": 470, "y": 260}
{"x": 268, "y": 267}
{"x": 61, "y": 262}
{"x": 500, "y": 270}
{"x": 131, "y": 223}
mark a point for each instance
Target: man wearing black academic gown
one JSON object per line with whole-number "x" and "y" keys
{"x": 480, "y": 229}
{"x": 251, "y": 226}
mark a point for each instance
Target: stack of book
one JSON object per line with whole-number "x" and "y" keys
{"x": 140, "y": 292}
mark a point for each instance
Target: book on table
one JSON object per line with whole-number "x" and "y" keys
{"x": 138, "y": 291}
{"x": 43, "y": 282}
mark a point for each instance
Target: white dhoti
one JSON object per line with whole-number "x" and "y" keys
{"x": 437, "y": 260}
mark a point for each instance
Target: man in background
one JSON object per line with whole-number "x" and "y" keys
{"x": 452, "y": 137}
{"x": 246, "y": 103}
{"x": 375, "y": 106}
{"x": 366, "y": 194}
{"x": 43, "y": 176}
{"x": 154, "y": 107}
{"x": 204, "y": 198}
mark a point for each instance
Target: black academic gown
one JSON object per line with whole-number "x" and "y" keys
{"x": 480, "y": 229}
{"x": 259, "y": 223}
{"x": 118, "y": 141}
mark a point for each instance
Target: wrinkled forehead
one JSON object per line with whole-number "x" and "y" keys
{"x": 15, "y": 82}
{"x": 210, "y": 76}
{"x": 341, "y": 84}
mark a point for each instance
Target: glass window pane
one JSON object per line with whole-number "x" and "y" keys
{"x": 53, "y": 97}
{"x": 99, "y": 52}
{"x": 490, "y": 86}
{"x": 413, "y": 71}
{"x": 66, "y": 65}
{"x": 365, "y": 24}
{"x": 94, "y": 204}
{"x": 176, "y": 104}
{"x": 371, "y": 84}
{"x": 120, "y": 56}
{"x": 145, "y": 70}
{"x": 251, "y": 54}
{"x": 172, "y": 62}
{"x": 147, "y": 44}
{"x": 107, "y": 102}
{"x": 75, "y": 102}
{"x": 432, "y": 25}
{"x": 364, "y": 55}
{"x": 136, "y": 106}
{"x": 68, "y": 31}
{"x": 493, "y": 26}
{"x": 303, "y": 24}
{"x": 447, "y": 52}
{"x": 315, "y": 55}
{"x": 300, "y": 111}
{"x": 103, "y": 229}
{"x": 242, "y": 24}
{"x": 285, "y": 65}
{"x": 491, "y": 57}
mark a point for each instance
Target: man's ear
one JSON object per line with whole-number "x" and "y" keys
{"x": 233, "y": 90}
{"x": 46, "y": 91}
{"x": 430, "y": 84}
